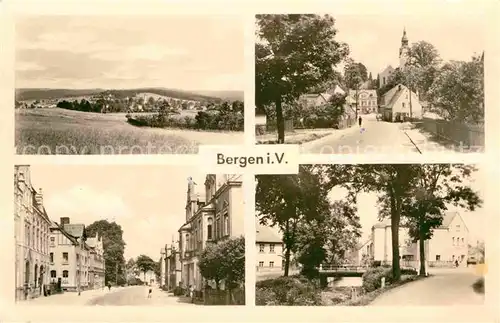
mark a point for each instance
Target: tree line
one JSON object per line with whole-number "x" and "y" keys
{"x": 318, "y": 230}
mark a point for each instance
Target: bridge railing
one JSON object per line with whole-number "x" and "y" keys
{"x": 346, "y": 268}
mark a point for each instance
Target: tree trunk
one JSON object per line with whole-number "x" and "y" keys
{"x": 421, "y": 243}
{"x": 395, "y": 218}
{"x": 287, "y": 261}
{"x": 280, "y": 122}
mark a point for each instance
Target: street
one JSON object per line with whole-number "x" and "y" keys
{"x": 373, "y": 136}
{"x": 138, "y": 295}
{"x": 445, "y": 287}
{"x": 130, "y": 295}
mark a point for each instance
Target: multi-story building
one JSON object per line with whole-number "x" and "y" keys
{"x": 69, "y": 256}
{"x": 31, "y": 236}
{"x": 97, "y": 264}
{"x": 366, "y": 100}
{"x": 449, "y": 243}
{"x": 217, "y": 215}
{"x": 172, "y": 266}
{"x": 400, "y": 103}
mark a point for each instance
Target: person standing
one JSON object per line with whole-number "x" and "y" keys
{"x": 191, "y": 293}
{"x": 150, "y": 292}
{"x": 360, "y": 121}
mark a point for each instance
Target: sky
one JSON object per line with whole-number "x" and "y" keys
{"x": 195, "y": 52}
{"x": 475, "y": 221}
{"x": 147, "y": 201}
{"x": 374, "y": 40}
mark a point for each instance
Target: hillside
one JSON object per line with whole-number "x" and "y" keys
{"x": 44, "y": 94}
{"x": 225, "y": 95}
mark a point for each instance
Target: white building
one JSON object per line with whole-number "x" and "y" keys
{"x": 397, "y": 104}
{"x": 69, "y": 256}
{"x": 449, "y": 243}
{"x": 269, "y": 247}
{"x": 31, "y": 236}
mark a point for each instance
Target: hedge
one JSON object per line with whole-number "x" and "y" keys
{"x": 202, "y": 121}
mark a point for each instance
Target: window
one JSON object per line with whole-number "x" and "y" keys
{"x": 65, "y": 257}
{"x": 51, "y": 257}
{"x": 453, "y": 257}
{"x": 463, "y": 242}
{"x": 226, "y": 224}
{"x": 53, "y": 274}
{"x": 438, "y": 257}
{"x": 271, "y": 264}
{"x": 458, "y": 227}
{"x": 261, "y": 247}
{"x": 65, "y": 274}
{"x": 403, "y": 104}
{"x": 52, "y": 241}
{"x": 271, "y": 248}
{"x": 210, "y": 229}
{"x": 453, "y": 240}
{"x": 261, "y": 264}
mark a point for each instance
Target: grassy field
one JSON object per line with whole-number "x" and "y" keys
{"x": 59, "y": 131}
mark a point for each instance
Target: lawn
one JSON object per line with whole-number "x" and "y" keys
{"x": 59, "y": 131}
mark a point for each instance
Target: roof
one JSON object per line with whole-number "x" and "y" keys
{"x": 448, "y": 218}
{"x": 266, "y": 234}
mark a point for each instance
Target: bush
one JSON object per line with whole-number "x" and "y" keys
{"x": 478, "y": 286}
{"x": 294, "y": 290}
{"x": 372, "y": 278}
{"x": 260, "y": 130}
{"x": 409, "y": 271}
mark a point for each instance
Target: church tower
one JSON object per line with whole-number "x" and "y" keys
{"x": 403, "y": 50}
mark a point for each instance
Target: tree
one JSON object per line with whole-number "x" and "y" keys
{"x": 145, "y": 264}
{"x": 224, "y": 261}
{"x": 393, "y": 184}
{"x": 436, "y": 187}
{"x": 294, "y": 54}
{"x": 329, "y": 238}
{"x": 114, "y": 247}
{"x": 287, "y": 201}
{"x": 458, "y": 91}
{"x": 422, "y": 67}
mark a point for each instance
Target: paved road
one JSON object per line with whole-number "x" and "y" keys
{"x": 447, "y": 287}
{"x": 373, "y": 136}
{"x": 137, "y": 295}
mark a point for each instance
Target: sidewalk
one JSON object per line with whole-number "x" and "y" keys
{"x": 423, "y": 140}
{"x": 71, "y": 298}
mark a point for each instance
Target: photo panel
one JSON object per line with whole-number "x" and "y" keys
{"x": 128, "y": 84}
{"x": 371, "y": 235}
{"x": 383, "y": 83}
{"x": 128, "y": 235}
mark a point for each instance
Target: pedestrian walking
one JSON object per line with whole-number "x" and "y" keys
{"x": 360, "y": 121}
{"x": 109, "y": 286}
{"x": 150, "y": 292}
{"x": 456, "y": 263}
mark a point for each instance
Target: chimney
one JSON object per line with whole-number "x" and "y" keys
{"x": 39, "y": 197}
{"x": 64, "y": 220}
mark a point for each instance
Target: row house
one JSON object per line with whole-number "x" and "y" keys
{"x": 69, "y": 256}
{"x": 171, "y": 273}
{"x": 31, "y": 236}
{"x": 216, "y": 215}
